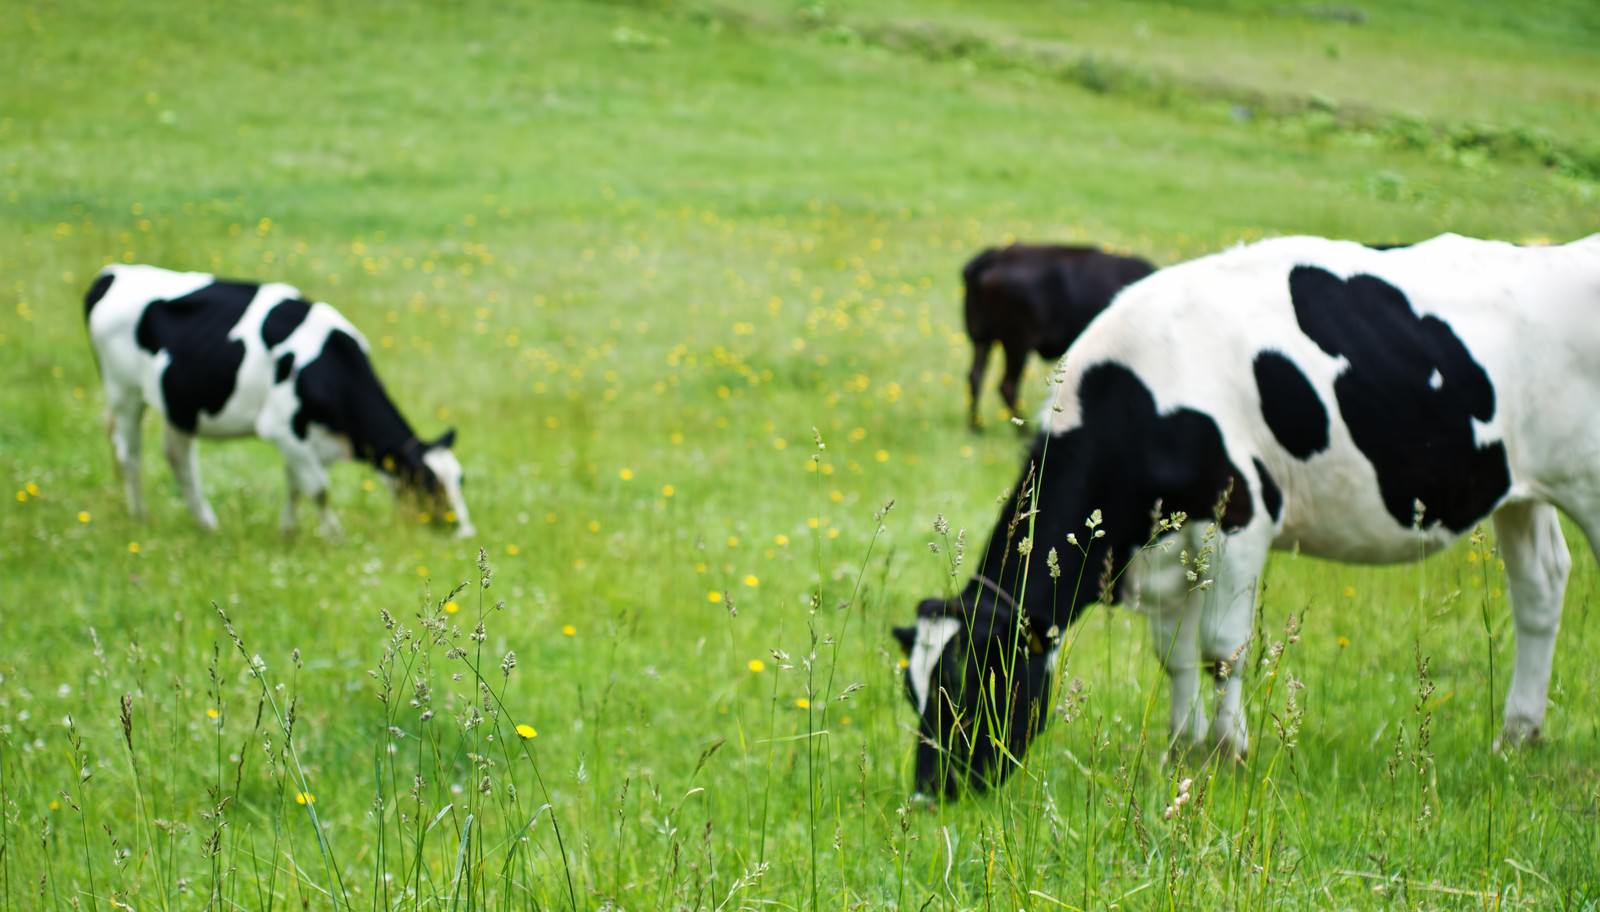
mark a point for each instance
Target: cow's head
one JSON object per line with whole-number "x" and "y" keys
{"x": 978, "y": 667}
{"x": 430, "y": 472}
{"x": 978, "y": 675}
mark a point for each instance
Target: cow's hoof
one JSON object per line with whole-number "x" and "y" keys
{"x": 1518, "y": 734}
{"x": 465, "y": 531}
{"x": 1185, "y": 752}
{"x": 1230, "y": 744}
{"x": 208, "y": 521}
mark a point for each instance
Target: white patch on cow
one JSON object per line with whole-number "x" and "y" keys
{"x": 1526, "y": 316}
{"x": 933, "y": 635}
{"x": 259, "y": 404}
{"x": 253, "y": 382}
{"x": 446, "y": 468}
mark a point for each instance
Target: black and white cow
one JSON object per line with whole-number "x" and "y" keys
{"x": 232, "y": 359}
{"x": 1035, "y": 298}
{"x": 1354, "y": 404}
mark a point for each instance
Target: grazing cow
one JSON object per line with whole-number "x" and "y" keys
{"x": 1299, "y": 393}
{"x": 1036, "y": 298}
{"x": 232, "y": 359}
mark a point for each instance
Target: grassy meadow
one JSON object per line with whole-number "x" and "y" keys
{"x": 685, "y": 277}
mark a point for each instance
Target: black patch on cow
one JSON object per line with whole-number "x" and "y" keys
{"x": 1123, "y": 459}
{"x": 339, "y": 390}
{"x": 102, "y": 284}
{"x": 193, "y": 330}
{"x": 283, "y": 368}
{"x": 1271, "y": 497}
{"x": 1293, "y": 411}
{"x": 1409, "y": 397}
{"x": 283, "y": 319}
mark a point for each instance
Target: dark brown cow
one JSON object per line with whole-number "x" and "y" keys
{"x": 1036, "y": 297}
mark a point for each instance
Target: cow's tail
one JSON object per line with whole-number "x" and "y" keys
{"x": 97, "y": 290}
{"x": 972, "y": 276}
{"x": 975, "y": 268}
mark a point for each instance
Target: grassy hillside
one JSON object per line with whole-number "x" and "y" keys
{"x": 642, "y": 255}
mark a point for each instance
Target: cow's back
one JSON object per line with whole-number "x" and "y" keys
{"x": 1454, "y": 371}
{"x": 1046, "y": 292}
{"x": 196, "y": 347}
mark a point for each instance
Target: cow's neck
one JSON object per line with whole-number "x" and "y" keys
{"x": 379, "y": 434}
{"x": 1022, "y": 583}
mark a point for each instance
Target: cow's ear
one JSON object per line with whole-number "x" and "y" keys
{"x": 445, "y": 441}
{"x": 907, "y": 637}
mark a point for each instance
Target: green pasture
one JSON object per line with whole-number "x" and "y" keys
{"x": 685, "y": 278}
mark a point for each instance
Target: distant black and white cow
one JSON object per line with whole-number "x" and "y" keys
{"x": 1353, "y": 404}
{"x": 232, "y": 359}
{"x": 1036, "y": 298}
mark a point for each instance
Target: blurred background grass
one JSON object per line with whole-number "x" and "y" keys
{"x": 636, "y": 253}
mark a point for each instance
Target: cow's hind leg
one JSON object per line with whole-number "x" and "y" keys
{"x": 184, "y": 457}
{"x": 124, "y": 419}
{"x": 1016, "y": 360}
{"x": 1537, "y": 562}
{"x": 980, "y": 365}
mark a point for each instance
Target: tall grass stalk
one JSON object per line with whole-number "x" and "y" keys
{"x": 257, "y": 668}
{"x": 1479, "y": 543}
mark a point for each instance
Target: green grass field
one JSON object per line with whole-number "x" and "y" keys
{"x": 641, "y": 254}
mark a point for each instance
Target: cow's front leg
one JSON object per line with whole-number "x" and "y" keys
{"x": 123, "y": 422}
{"x": 1230, "y": 598}
{"x": 309, "y": 476}
{"x": 1173, "y": 635}
{"x": 1016, "y": 359}
{"x": 1160, "y": 590}
{"x": 184, "y": 457}
{"x": 1537, "y": 564}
